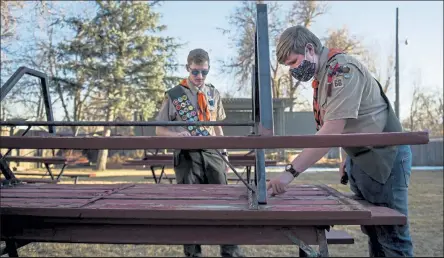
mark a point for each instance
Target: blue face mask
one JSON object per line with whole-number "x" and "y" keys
{"x": 305, "y": 71}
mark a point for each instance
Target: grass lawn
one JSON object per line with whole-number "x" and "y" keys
{"x": 426, "y": 218}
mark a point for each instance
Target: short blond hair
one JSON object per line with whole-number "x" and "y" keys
{"x": 294, "y": 40}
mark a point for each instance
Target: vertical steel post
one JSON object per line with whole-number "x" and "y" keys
{"x": 264, "y": 125}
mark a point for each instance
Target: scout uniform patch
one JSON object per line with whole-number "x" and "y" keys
{"x": 335, "y": 75}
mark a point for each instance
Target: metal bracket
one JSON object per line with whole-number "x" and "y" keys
{"x": 322, "y": 239}
{"x": 308, "y": 251}
{"x": 234, "y": 170}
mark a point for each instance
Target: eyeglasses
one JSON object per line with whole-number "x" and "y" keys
{"x": 197, "y": 72}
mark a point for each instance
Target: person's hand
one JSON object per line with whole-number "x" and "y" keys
{"x": 343, "y": 173}
{"x": 342, "y": 169}
{"x": 279, "y": 183}
{"x": 184, "y": 133}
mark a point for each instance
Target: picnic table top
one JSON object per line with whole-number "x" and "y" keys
{"x": 170, "y": 204}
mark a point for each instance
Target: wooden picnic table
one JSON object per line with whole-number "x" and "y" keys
{"x": 47, "y": 161}
{"x": 165, "y": 214}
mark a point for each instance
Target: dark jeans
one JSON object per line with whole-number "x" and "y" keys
{"x": 386, "y": 241}
{"x": 202, "y": 167}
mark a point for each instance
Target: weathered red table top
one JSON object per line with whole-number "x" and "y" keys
{"x": 179, "y": 202}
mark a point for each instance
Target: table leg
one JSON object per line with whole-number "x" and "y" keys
{"x": 154, "y": 174}
{"x": 49, "y": 171}
{"x": 11, "y": 248}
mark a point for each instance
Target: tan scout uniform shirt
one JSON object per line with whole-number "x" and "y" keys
{"x": 355, "y": 96}
{"x": 167, "y": 111}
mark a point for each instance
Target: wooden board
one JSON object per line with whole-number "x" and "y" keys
{"x": 170, "y": 162}
{"x": 176, "y": 202}
{"x": 49, "y": 160}
{"x": 215, "y": 142}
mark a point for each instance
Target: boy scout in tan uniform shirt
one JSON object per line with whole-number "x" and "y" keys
{"x": 347, "y": 99}
{"x": 188, "y": 102}
{"x": 169, "y": 113}
{"x": 368, "y": 115}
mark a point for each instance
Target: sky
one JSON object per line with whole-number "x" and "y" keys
{"x": 421, "y": 22}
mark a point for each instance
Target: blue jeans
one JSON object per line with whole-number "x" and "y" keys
{"x": 390, "y": 240}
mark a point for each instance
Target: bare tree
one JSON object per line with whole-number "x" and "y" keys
{"x": 426, "y": 110}
{"x": 341, "y": 38}
{"x": 243, "y": 38}
{"x": 305, "y": 12}
{"x": 11, "y": 18}
{"x": 390, "y": 73}
{"x": 244, "y": 20}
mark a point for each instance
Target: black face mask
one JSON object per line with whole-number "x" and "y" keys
{"x": 304, "y": 72}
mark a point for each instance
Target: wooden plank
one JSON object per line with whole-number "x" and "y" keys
{"x": 46, "y": 200}
{"x": 49, "y": 160}
{"x": 55, "y": 196}
{"x": 48, "y": 190}
{"x": 321, "y": 214}
{"x": 339, "y": 237}
{"x": 170, "y": 157}
{"x": 45, "y": 174}
{"x": 153, "y": 235}
{"x": 191, "y": 194}
{"x": 36, "y": 203}
{"x": 38, "y": 180}
{"x": 215, "y": 142}
{"x": 391, "y": 217}
{"x": 68, "y": 186}
{"x": 171, "y": 163}
{"x": 209, "y": 187}
{"x": 204, "y": 202}
{"x": 379, "y": 216}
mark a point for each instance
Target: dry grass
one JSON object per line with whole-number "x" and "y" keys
{"x": 426, "y": 215}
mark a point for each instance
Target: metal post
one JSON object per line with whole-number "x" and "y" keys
{"x": 397, "y": 66}
{"x": 48, "y": 105}
{"x": 263, "y": 87}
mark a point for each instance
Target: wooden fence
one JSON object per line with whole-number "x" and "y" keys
{"x": 430, "y": 154}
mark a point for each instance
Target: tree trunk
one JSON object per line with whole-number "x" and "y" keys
{"x": 102, "y": 157}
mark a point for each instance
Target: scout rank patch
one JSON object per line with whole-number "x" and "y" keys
{"x": 187, "y": 113}
{"x": 333, "y": 72}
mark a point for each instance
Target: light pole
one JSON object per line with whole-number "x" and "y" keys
{"x": 397, "y": 66}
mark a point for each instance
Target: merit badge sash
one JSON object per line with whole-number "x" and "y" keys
{"x": 186, "y": 111}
